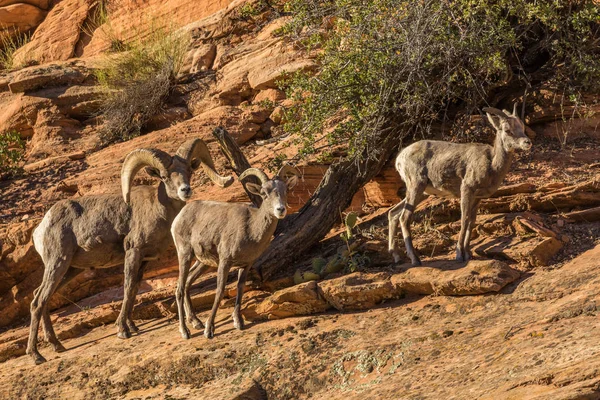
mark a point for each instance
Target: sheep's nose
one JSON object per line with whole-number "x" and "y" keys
{"x": 281, "y": 209}
{"x": 187, "y": 190}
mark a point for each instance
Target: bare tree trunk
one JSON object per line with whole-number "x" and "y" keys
{"x": 299, "y": 231}
{"x": 237, "y": 159}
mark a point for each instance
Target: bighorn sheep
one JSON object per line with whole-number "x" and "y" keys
{"x": 471, "y": 172}
{"x": 104, "y": 231}
{"x": 220, "y": 235}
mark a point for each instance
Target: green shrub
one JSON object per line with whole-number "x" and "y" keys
{"x": 408, "y": 65}
{"x": 138, "y": 82}
{"x": 12, "y": 152}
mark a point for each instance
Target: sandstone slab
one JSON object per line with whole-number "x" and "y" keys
{"x": 477, "y": 277}
{"x": 56, "y": 37}
{"x": 357, "y": 291}
{"x": 233, "y": 119}
{"x": 200, "y": 58}
{"x": 20, "y": 17}
{"x": 303, "y": 299}
{"x": 536, "y": 251}
{"x": 38, "y": 77}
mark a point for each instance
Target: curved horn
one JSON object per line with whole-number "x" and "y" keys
{"x": 288, "y": 169}
{"x": 255, "y": 172}
{"x": 196, "y": 153}
{"x": 495, "y": 111}
{"x": 138, "y": 159}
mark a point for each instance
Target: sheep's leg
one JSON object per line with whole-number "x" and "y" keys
{"x": 136, "y": 287}
{"x": 133, "y": 260}
{"x": 413, "y": 198}
{"x": 196, "y": 270}
{"x": 51, "y": 280}
{"x": 223, "y": 272}
{"x": 49, "y": 333}
{"x": 185, "y": 257}
{"x": 466, "y": 204}
{"x": 470, "y": 227}
{"x": 238, "y": 321}
{"x": 393, "y": 219}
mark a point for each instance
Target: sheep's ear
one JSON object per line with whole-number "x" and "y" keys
{"x": 153, "y": 172}
{"x": 494, "y": 123}
{"x": 291, "y": 181}
{"x": 254, "y": 188}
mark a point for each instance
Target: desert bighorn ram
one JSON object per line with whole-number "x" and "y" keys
{"x": 471, "y": 172}
{"x": 220, "y": 235}
{"x": 105, "y": 231}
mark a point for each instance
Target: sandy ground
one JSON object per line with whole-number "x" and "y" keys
{"x": 538, "y": 339}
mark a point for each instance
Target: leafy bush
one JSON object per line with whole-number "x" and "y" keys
{"x": 12, "y": 151}
{"x": 138, "y": 82}
{"x": 407, "y": 65}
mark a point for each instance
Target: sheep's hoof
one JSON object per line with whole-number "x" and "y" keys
{"x": 459, "y": 257}
{"x": 396, "y": 256}
{"x": 132, "y": 327}
{"x": 59, "y": 348}
{"x": 185, "y": 333}
{"x": 196, "y": 324}
{"x": 123, "y": 335}
{"x": 238, "y": 322}
{"x": 38, "y": 358}
{"x": 415, "y": 260}
{"x": 209, "y": 332}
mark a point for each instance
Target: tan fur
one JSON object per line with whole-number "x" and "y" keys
{"x": 221, "y": 235}
{"x": 104, "y": 231}
{"x": 469, "y": 172}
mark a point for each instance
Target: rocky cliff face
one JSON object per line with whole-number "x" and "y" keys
{"x": 546, "y": 212}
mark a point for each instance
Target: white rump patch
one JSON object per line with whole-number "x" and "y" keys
{"x": 39, "y": 233}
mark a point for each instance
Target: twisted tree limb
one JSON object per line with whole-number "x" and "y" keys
{"x": 237, "y": 159}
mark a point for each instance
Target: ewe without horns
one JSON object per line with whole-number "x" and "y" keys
{"x": 471, "y": 172}
{"x": 105, "y": 231}
{"x": 221, "y": 235}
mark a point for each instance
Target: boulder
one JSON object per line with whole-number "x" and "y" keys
{"x": 274, "y": 65}
{"x": 57, "y": 36}
{"x": 238, "y": 124}
{"x": 358, "y": 291}
{"x": 201, "y": 58}
{"x": 19, "y": 113}
{"x": 476, "y": 277}
{"x": 270, "y": 95}
{"x": 20, "y": 18}
{"x": 37, "y": 77}
{"x": 19, "y": 270}
{"x": 277, "y": 115}
{"x": 53, "y": 134}
{"x": 75, "y": 101}
{"x": 303, "y": 299}
{"x": 257, "y": 66}
{"x": 43, "y": 4}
